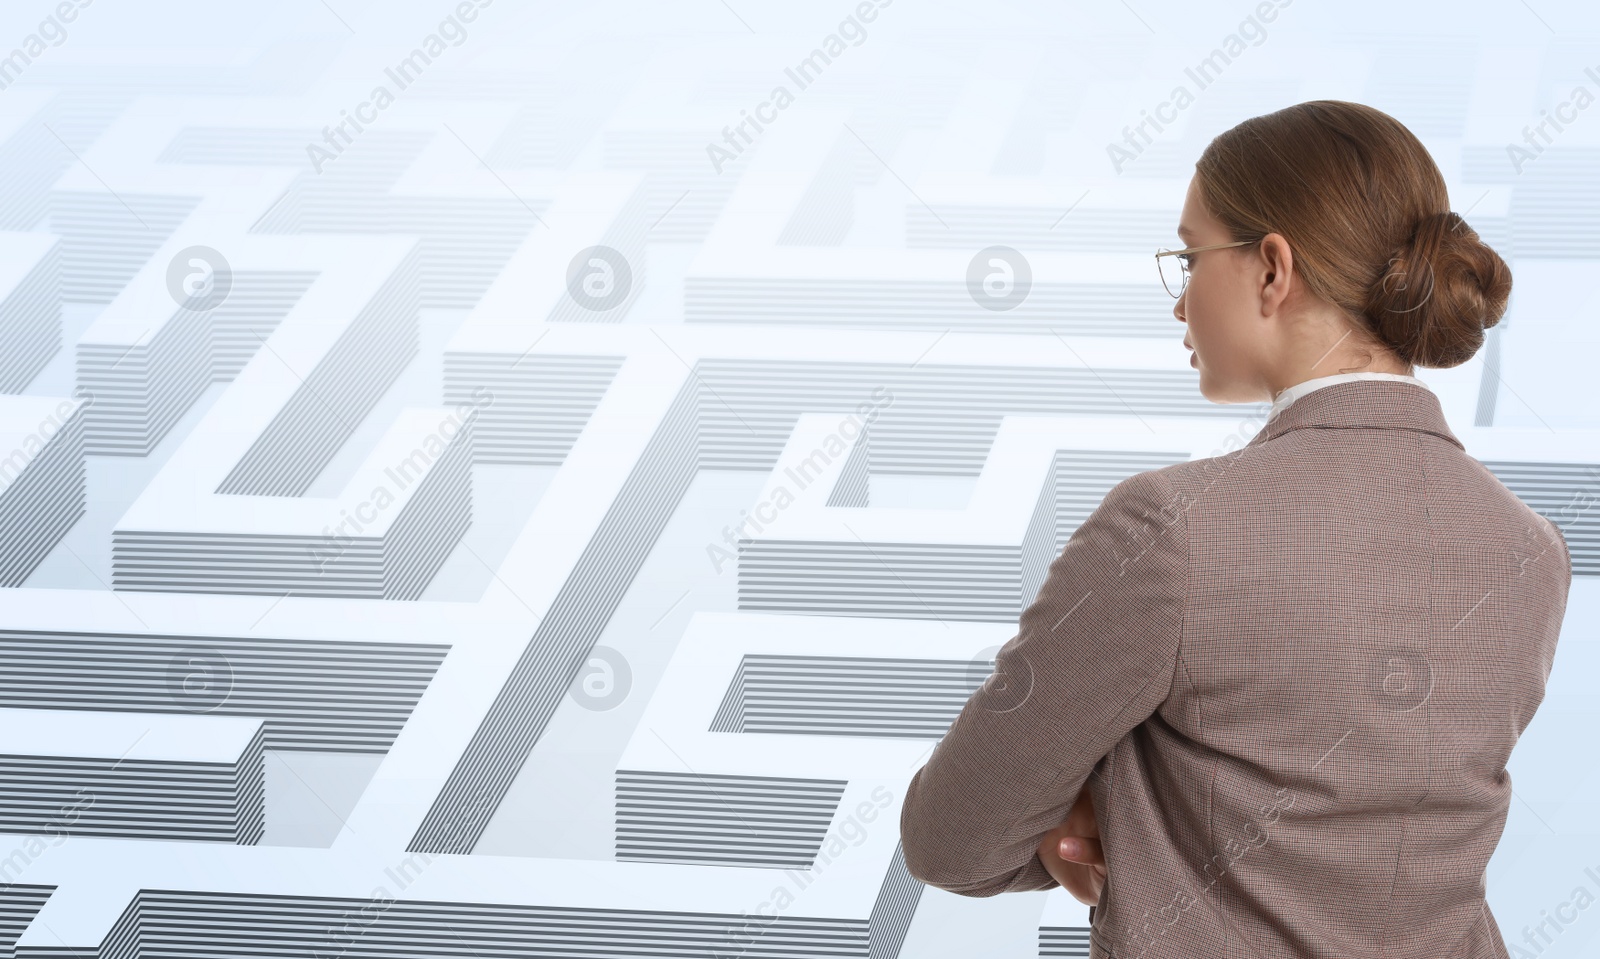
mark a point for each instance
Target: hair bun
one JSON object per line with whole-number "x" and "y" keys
{"x": 1441, "y": 289}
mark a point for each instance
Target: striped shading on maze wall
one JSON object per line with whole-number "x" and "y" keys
{"x": 198, "y": 925}
{"x": 723, "y": 820}
{"x": 131, "y": 775}
{"x": 836, "y": 696}
{"x": 312, "y": 695}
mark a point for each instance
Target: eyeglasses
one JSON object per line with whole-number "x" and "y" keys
{"x": 1175, "y": 272}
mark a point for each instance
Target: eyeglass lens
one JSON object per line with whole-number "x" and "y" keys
{"x": 1174, "y": 274}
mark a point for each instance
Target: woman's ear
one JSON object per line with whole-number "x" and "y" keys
{"x": 1276, "y": 265}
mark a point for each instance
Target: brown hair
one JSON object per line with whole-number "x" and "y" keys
{"x": 1365, "y": 211}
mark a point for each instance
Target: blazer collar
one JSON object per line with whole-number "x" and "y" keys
{"x": 1373, "y": 404}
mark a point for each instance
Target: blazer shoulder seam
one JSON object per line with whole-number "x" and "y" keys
{"x": 1182, "y": 504}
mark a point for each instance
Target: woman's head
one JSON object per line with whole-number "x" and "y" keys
{"x": 1358, "y": 262}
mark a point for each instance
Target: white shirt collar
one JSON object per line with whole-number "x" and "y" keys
{"x": 1301, "y": 389}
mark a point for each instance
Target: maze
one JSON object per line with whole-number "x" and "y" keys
{"x": 516, "y": 536}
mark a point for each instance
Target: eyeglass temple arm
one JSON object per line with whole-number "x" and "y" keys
{"x": 1202, "y": 249}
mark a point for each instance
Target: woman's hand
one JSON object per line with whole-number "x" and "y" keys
{"x": 1080, "y": 868}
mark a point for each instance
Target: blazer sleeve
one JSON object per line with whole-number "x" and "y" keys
{"x": 1093, "y": 657}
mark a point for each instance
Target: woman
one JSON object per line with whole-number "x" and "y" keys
{"x": 1272, "y": 692}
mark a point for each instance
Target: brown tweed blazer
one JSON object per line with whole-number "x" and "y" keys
{"x": 1290, "y": 675}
